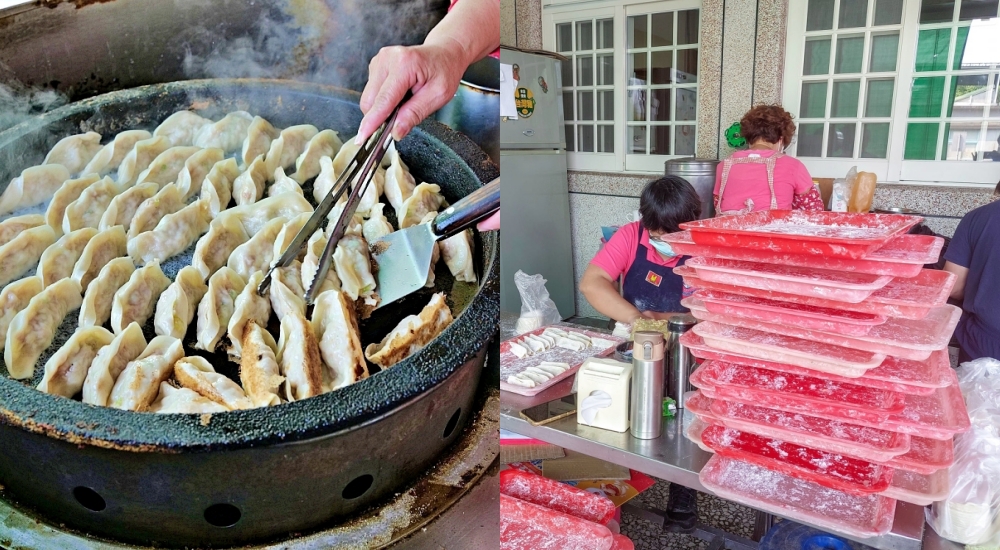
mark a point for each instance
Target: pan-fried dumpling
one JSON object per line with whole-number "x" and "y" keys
{"x": 325, "y": 181}
{"x": 323, "y": 144}
{"x": 101, "y": 249}
{"x": 75, "y": 152}
{"x": 69, "y": 192}
{"x": 97, "y": 300}
{"x": 371, "y": 193}
{"x": 218, "y": 185}
{"x": 288, "y": 234}
{"x": 256, "y": 254}
{"x": 411, "y": 334}
{"x": 177, "y": 305}
{"x": 66, "y": 370}
{"x": 290, "y": 144}
{"x": 88, "y": 210}
{"x": 181, "y": 127}
{"x": 354, "y": 269}
{"x": 138, "y": 385}
{"x": 196, "y": 168}
{"x": 286, "y": 292}
{"x": 354, "y": 227}
{"x": 377, "y": 226}
{"x": 34, "y": 186}
{"x": 173, "y": 235}
{"x": 225, "y": 235}
{"x": 197, "y": 374}
{"x": 283, "y": 184}
{"x": 139, "y": 158}
{"x": 24, "y": 251}
{"x": 399, "y": 183}
{"x": 13, "y": 299}
{"x": 426, "y": 198}
{"x": 298, "y": 357}
{"x": 217, "y": 306}
{"x": 109, "y": 363}
{"x": 58, "y": 260}
{"x": 310, "y": 264}
{"x": 111, "y": 155}
{"x": 248, "y": 187}
{"x": 390, "y": 154}
{"x": 171, "y": 400}
{"x": 12, "y": 227}
{"x": 167, "y": 165}
{"x": 258, "y": 140}
{"x": 259, "y": 370}
{"x": 32, "y": 329}
{"x": 227, "y": 134}
{"x": 167, "y": 200}
{"x": 135, "y": 301}
{"x": 435, "y": 253}
{"x": 335, "y": 325}
{"x": 254, "y": 216}
{"x": 250, "y": 307}
{"x": 123, "y": 207}
{"x": 457, "y": 253}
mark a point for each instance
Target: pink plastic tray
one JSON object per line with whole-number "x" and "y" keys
{"x": 838, "y": 234}
{"x": 917, "y": 488}
{"x": 902, "y": 256}
{"x": 849, "y": 323}
{"x": 926, "y": 456}
{"x": 798, "y": 499}
{"x": 693, "y": 433}
{"x": 903, "y": 338}
{"x": 808, "y": 390}
{"x": 820, "y": 356}
{"x": 897, "y": 375}
{"x": 836, "y": 471}
{"x": 905, "y": 298}
{"x": 510, "y": 364}
{"x": 805, "y": 281}
{"x": 833, "y": 436}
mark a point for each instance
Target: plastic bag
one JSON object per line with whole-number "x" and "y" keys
{"x": 862, "y": 193}
{"x": 971, "y": 513}
{"x": 537, "y": 308}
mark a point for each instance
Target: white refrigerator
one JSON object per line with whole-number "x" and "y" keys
{"x": 535, "y": 236}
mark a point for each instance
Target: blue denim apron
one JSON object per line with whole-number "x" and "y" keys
{"x": 650, "y": 286}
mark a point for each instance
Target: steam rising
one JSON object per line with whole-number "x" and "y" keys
{"x": 19, "y": 103}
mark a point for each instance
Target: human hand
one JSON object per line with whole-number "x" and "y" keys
{"x": 491, "y": 223}
{"x": 432, "y": 71}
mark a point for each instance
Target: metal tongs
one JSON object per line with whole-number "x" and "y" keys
{"x": 366, "y": 162}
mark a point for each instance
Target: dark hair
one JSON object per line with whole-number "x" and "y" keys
{"x": 668, "y": 202}
{"x": 770, "y": 123}
{"x": 997, "y": 190}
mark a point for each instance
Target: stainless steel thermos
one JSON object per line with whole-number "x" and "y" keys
{"x": 680, "y": 363}
{"x": 646, "y": 415}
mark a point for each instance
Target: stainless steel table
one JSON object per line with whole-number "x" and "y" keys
{"x": 672, "y": 457}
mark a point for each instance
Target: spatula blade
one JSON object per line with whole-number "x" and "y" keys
{"x": 404, "y": 262}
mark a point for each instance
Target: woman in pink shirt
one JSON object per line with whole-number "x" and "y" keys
{"x": 763, "y": 177}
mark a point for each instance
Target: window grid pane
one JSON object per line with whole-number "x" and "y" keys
{"x": 588, "y": 84}
{"x": 848, "y": 78}
{"x": 662, "y": 90}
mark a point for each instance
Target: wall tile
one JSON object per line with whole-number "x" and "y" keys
{"x": 709, "y": 78}
{"x": 529, "y": 23}
{"x": 607, "y": 183}
{"x": 508, "y": 23}
{"x": 739, "y": 37}
{"x": 935, "y": 200}
{"x": 588, "y": 213}
{"x": 769, "y": 59}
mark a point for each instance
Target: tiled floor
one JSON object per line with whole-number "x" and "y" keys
{"x": 728, "y": 516}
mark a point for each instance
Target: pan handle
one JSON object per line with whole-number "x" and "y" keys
{"x": 474, "y": 208}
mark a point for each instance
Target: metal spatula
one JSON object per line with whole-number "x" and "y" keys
{"x": 404, "y": 257}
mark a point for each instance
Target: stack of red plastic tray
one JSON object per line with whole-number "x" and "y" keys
{"x": 825, "y": 388}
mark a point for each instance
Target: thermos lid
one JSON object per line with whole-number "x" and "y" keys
{"x": 648, "y": 340}
{"x": 681, "y": 323}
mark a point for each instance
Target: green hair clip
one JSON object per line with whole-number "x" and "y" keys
{"x": 734, "y": 138}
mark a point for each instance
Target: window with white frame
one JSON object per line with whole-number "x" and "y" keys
{"x": 630, "y": 89}
{"x": 907, "y": 89}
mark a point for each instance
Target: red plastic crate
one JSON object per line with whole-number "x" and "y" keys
{"x": 897, "y": 375}
{"x": 839, "y": 321}
{"x": 798, "y": 499}
{"x": 926, "y": 456}
{"x": 902, "y": 256}
{"x": 837, "y": 234}
{"x": 836, "y": 471}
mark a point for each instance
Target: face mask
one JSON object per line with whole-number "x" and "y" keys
{"x": 663, "y": 248}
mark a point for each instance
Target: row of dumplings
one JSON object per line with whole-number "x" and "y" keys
{"x": 151, "y": 219}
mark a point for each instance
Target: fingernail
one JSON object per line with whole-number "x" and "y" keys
{"x": 358, "y": 140}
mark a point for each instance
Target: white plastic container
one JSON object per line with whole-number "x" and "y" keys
{"x": 602, "y": 394}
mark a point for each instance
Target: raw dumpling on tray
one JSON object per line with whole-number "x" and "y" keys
{"x": 125, "y": 258}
